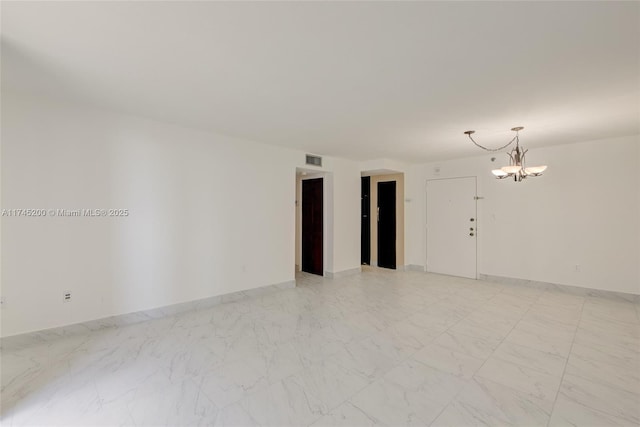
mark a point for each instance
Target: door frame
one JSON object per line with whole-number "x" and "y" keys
{"x": 401, "y": 212}
{"x": 426, "y": 231}
{"x": 302, "y": 174}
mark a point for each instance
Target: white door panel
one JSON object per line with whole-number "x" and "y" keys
{"x": 452, "y": 226}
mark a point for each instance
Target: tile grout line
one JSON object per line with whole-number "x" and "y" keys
{"x": 348, "y": 399}
{"x": 438, "y": 336}
{"x": 485, "y": 361}
{"x": 409, "y": 357}
{"x": 473, "y": 377}
{"x": 488, "y": 357}
{"x": 566, "y": 363}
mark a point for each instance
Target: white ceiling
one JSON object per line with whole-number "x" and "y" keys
{"x": 362, "y": 80}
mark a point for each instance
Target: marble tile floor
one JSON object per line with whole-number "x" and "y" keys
{"x": 381, "y": 348}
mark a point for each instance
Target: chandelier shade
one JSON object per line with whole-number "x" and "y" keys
{"x": 512, "y": 169}
{"x": 535, "y": 170}
{"x": 517, "y": 168}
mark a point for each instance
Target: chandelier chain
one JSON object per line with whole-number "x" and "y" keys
{"x": 515, "y": 138}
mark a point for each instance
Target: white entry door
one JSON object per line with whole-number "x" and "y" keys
{"x": 452, "y": 226}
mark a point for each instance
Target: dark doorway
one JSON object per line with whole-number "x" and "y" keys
{"x": 365, "y": 234}
{"x": 387, "y": 224}
{"x": 312, "y": 226}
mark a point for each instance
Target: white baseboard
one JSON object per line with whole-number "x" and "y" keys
{"x": 343, "y": 273}
{"x": 30, "y": 338}
{"x": 574, "y": 290}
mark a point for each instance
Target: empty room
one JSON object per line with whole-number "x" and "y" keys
{"x": 320, "y": 213}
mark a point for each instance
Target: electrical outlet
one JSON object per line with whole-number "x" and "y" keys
{"x": 66, "y": 296}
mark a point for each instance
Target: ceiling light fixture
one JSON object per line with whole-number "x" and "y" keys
{"x": 517, "y": 167}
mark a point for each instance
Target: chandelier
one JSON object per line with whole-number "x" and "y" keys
{"x": 517, "y": 167}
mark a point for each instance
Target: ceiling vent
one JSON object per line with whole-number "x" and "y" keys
{"x": 314, "y": 160}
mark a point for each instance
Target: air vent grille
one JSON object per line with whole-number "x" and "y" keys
{"x": 314, "y": 160}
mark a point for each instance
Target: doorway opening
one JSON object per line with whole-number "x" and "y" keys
{"x": 386, "y": 211}
{"x": 365, "y": 213}
{"x": 318, "y": 243}
{"x": 312, "y": 226}
{"x": 382, "y": 216}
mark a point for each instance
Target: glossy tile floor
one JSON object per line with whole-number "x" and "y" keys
{"x": 380, "y": 348}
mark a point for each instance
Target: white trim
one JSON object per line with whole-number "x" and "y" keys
{"x": 30, "y": 338}
{"x": 574, "y": 290}
{"x": 343, "y": 273}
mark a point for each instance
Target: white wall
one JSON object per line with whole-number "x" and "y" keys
{"x": 208, "y": 214}
{"x": 585, "y": 211}
{"x": 346, "y": 215}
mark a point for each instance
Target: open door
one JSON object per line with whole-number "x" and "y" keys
{"x": 387, "y": 224}
{"x": 365, "y": 232}
{"x": 312, "y": 225}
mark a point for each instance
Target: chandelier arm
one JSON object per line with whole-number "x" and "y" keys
{"x": 493, "y": 149}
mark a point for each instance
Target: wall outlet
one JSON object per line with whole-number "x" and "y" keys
{"x": 66, "y": 296}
